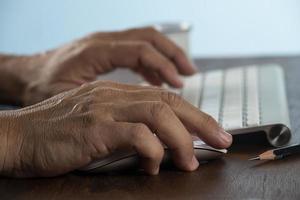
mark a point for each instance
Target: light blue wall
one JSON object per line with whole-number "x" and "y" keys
{"x": 221, "y": 28}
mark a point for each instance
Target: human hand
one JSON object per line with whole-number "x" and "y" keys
{"x": 69, "y": 130}
{"x": 145, "y": 51}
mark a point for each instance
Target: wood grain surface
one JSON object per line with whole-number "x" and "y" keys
{"x": 232, "y": 177}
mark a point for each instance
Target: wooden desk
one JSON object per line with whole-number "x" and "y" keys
{"x": 230, "y": 178}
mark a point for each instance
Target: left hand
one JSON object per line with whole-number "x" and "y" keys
{"x": 145, "y": 51}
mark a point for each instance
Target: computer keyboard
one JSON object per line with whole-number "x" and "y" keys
{"x": 243, "y": 100}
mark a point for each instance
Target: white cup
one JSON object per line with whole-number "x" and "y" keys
{"x": 177, "y": 32}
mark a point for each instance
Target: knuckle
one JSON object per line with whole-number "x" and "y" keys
{"x": 156, "y": 153}
{"x": 209, "y": 120}
{"x": 91, "y": 139}
{"x": 159, "y": 109}
{"x": 178, "y": 52}
{"x": 141, "y": 133}
{"x": 150, "y": 30}
{"x": 89, "y": 100}
{"x": 152, "y": 34}
{"x": 171, "y": 98}
{"x": 144, "y": 47}
{"x": 138, "y": 131}
{"x": 168, "y": 69}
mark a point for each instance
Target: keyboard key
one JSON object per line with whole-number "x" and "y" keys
{"x": 274, "y": 106}
{"x": 212, "y": 91}
{"x": 252, "y": 98}
{"x": 192, "y": 89}
{"x": 232, "y": 116}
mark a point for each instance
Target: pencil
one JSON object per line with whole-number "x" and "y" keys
{"x": 279, "y": 153}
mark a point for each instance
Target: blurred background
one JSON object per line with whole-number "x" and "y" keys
{"x": 220, "y": 28}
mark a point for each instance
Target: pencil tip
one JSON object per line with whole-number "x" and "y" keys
{"x": 256, "y": 158}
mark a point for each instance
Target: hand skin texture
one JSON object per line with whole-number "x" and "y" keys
{"x": 85, "y": 120}
{"x": 144, "y": 51}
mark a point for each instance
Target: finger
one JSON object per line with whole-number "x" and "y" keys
{"x": 139, "y": 137}
{"x": 199, "y": 122}
{"x": 164, "y": 123}
{"x": 151, "y": 77}
{"x": 193, "y": 119}
{"x": 203, "y": 124}
{"x": 131, "y": 55}
{"x": 142, "y": 54}
{"x": 162, "y": 43}
{"x": 165, "y": 46}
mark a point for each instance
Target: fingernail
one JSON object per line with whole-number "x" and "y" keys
{"x": 226, "y": 137}
{"x": 179, "y": 82}
{"x": 195, "y": 163}
{"x": 156, "y": 171}
{"x": 194, "y": 67}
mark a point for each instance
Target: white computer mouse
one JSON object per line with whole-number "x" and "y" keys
{"x": 129, "y": 160}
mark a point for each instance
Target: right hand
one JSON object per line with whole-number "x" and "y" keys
{"x": 69, "y": 130}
